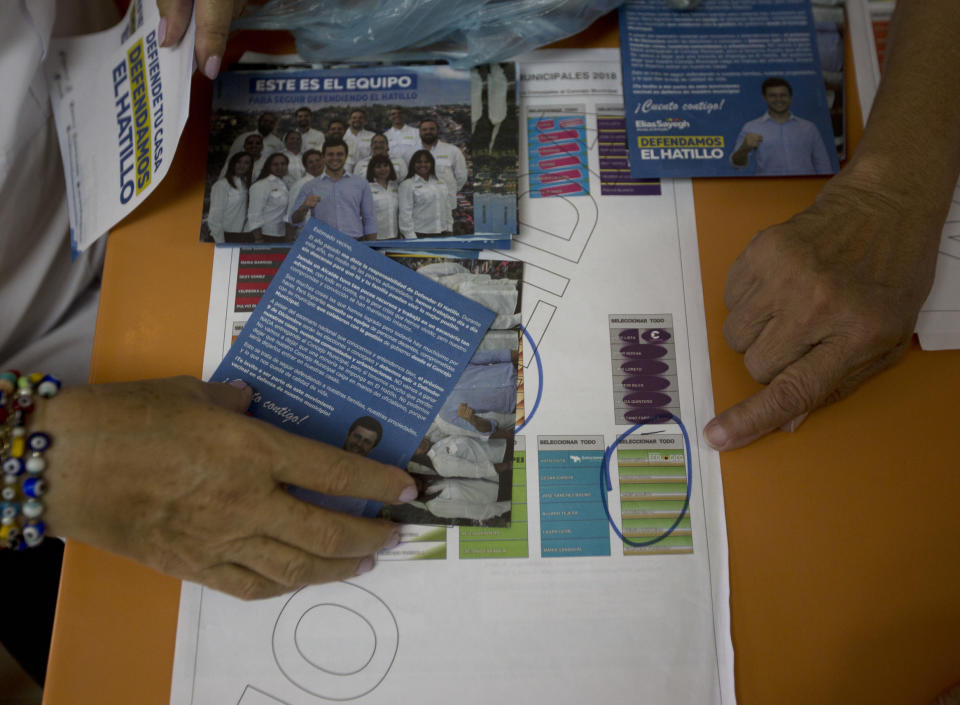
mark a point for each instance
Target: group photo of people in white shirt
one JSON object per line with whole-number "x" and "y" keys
{"x": 401, "y": 170}
{"x": 464, "y": 465}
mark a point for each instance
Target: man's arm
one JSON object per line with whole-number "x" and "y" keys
{"x": 824, "y": 301}
{"x": 459, "y": 167}
{"x": 746, "y": 143}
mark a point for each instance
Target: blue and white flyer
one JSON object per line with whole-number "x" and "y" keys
{"x": 728, "y": 89}
{"x": 353, "y": 349}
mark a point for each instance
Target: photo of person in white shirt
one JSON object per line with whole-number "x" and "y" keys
{"x": 228, "y": 201}
{"x": 310, "y": 137}
{"x": 292, "y": 142}
{"x": 312, "y": 160}
{"x": 403, "y": 138}
{"x": 423, "y": 201}
{"x": 266, "y": 214}
{"x": 383, "y": 184}
{"x": 379, "y": 145}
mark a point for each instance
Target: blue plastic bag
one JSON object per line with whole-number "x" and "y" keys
{"x": 463, "y": 32}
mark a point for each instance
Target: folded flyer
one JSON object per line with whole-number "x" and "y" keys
{"x": 120, "y": 103}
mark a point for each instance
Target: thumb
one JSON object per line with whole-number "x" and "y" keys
{"x": 234, "y": 396}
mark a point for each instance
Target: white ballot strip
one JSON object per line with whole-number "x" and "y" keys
{"x": 120, "y": 103}
{"x": 938, "y": 325}
{"x": 554, "y": 608}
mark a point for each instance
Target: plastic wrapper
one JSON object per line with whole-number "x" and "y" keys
{"x": 462, "y": 32}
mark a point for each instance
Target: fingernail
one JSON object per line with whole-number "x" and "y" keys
{"x": 364, "y": 566}
{"x": 792, "y": 426}
{"x": 238, "y": 384}
{"x": 162, "y": 31}
{"x": 715, "y": 434}
{"x": 212, "y": 67}
{"x": 409, "y": 494}
{"x": 393, "y": 541}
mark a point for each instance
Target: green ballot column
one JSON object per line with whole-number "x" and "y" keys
{"x": 653, "y": 486}
{"x": 507, "y": 541}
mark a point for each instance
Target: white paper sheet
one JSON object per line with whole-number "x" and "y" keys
{"x": 554, "y": 624}
{"x": 120, "y": 103}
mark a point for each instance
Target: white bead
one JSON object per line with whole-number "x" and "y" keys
{"x": 18, "y": 432}
{"x": 32, "y": 508}
{"x": 36, "y": 464}
{"x": 47, "y": 389}
{"x": 10, "y": 479}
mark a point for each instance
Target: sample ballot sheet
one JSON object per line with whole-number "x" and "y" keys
{"x": 606, "y": 587}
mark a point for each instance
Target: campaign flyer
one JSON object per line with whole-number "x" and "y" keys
{"x": 352, "y": 349}
{"x": 120, "y": 103}
{"x": 727, "y": 89}
{"x": 267, "y": 135}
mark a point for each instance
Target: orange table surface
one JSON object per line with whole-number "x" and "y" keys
{"x": 844, "y": 536}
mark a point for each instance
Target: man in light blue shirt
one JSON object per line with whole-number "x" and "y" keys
{"x": 784, "y": 144}
{"x": 341, "y": 200}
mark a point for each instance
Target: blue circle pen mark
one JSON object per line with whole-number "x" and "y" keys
{"x": 606, "y": 485}
{"x": 536, "y": 404}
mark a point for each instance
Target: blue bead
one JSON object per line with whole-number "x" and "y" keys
{"x": 9, "y": 509}
{"x": 38, "y": 441}
{"x": 13, "y": 466}
{"x": 34, "y": 487}
{"x": 33, "y": 533}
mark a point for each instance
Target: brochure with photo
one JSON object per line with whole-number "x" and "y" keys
{"x": 729, "y": 89}
{"x": 352, "y": 349}
{"x": 406, "y": 157}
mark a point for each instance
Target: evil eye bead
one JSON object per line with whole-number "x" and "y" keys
{"x": 8, "y": 493}
{"x": 33, "y": 533}
{"x": 38, "y": 441}
{"x": 34, "y": 487}
{"x": 9, "y": 535}
{"x": 24, "y": 401}
{"x": 48, "y": 386}
{"x": 12, "y": 466}
{"x": 32, "y": 508}
{"x": 9, "y": 511}
{"x": 35, "y": 465}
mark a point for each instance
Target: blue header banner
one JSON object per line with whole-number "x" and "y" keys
{"x": 334, "y": 82}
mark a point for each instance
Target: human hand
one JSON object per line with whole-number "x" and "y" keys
{"x": 310, "y": 201}
{"x": 213, "y": 26}
{"x": 465, "y": 412}
{"x": 822, "y": 302}
{"x": 172, "y": 474}
{"x": 752, "y": 140}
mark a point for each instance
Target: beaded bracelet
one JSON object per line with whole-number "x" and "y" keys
{"x": 21, "y": 455}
